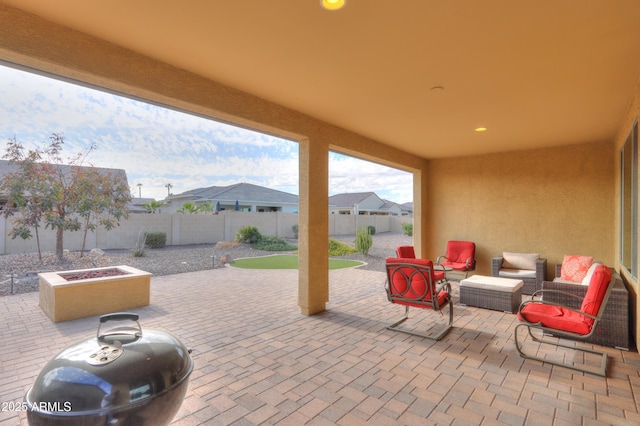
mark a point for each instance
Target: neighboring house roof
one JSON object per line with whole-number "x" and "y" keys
{"x": 6, "y": 167}
{"x": 238, "y": 191}
{"x": 350, "y": 199}
{"x": 137, "y": 205}
{"x": 364, "y": 201}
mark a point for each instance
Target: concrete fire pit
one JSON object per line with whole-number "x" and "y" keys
{"x": 67, "y": 295}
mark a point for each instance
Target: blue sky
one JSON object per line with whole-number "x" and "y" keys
{"x": 156, "y": 146}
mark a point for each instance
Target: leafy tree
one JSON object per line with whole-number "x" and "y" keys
{"x": 153, "y": 206}
{"x": 102, "y": 197}
{"x": 45, "y": 189}
{"x": 24, "y": 190}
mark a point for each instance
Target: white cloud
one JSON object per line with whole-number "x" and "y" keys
{"x": 156, "y": 146}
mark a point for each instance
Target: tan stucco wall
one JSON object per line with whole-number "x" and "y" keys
{"x": 550, "y": 201}
{"x": 632, "y": 283}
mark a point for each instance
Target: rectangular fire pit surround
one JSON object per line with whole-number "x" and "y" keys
{"x": 64, "y": 300}
{"x": 500, "y": 294}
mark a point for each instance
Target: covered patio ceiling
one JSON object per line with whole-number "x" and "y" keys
{"x": 416, "y": 75}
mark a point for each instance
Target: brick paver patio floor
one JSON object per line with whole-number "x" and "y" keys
{"x": 259, "y": 361}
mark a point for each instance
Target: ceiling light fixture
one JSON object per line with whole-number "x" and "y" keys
{"x": 333, "y": 4}
{"x": 480, "y": 129}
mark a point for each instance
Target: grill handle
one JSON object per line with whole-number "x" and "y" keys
{"x": 120, "y": 316}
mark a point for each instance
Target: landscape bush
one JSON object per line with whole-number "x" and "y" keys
{"x": 248, "y": 235}
{"x": 372, "y": 229}
{"x": 338, "y": 248}
{"x": 407, "y": 228}
{"x": 155, "y": 239}
{"x": 272, "y": 243}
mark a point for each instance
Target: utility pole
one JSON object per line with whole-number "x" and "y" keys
{"x": 168, "y": 186}
{"x": 139, "y": 190}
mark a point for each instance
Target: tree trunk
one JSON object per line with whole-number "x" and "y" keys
{"x": 59, "y": 250}
{"x": 84, "y": 235}
{"x": 38, "y": 242}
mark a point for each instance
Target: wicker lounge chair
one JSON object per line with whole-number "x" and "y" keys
{"x": 528, "y": 267}
{"x": 613, "y": 329}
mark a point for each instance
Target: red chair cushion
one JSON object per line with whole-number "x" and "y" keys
{"x": 559, "y": 318}
{"x": 417, "y": 287}
{"x": 554, "y": 317}
{"x": 458, "y": 252}
{"x": 598, "y": 286}
{"x": 408, "y": 252}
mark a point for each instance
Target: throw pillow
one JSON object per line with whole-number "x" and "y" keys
{"x": 574, "y": 268}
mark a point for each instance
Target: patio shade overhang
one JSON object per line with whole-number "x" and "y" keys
{"x": 417, "y": 76}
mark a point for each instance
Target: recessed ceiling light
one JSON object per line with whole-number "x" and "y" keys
{"x": 333, "y": 4}
{"x": 480, "y": 129}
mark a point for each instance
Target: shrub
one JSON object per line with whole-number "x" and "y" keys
{"x": 372, "y": 229}
{"x": 271, "y": 243}
{"x": 295, "y": 231}
{"x": 338, "y": 248}
{"x": 248, "y": 235}
{"x": 156, "y": 239}
{"x": 408, "y": 229}
{"x": 363, "y": 240}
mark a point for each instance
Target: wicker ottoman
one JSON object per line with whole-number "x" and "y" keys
{"x": 500, "y": 294}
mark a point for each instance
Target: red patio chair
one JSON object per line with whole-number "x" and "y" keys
{"x": 461, "y": 256}
{"x": 411, "y": 282}
{"x": 407, "y": 252}
{"x": 549, "y": 317}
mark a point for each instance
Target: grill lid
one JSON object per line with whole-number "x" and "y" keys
{"x": 118, "y": 369}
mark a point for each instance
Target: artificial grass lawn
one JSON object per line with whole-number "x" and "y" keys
{"x": 286, "y": 261}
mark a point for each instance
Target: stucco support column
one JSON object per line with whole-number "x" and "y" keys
{"x": 313, "y": 227}
{"x": 420, "y": 211}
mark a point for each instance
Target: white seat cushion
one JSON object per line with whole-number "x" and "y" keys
{"x": 560, "y": 280}
{"x": 492, "y": 283}
{"x": 516, "y": 273}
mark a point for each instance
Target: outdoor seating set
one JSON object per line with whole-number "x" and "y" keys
{"x": 587, "y": 301}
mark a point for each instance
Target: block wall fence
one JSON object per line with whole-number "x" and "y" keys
{"x": 183, "y": 229}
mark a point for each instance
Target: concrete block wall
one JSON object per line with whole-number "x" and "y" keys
{"x": 182, "y": 229}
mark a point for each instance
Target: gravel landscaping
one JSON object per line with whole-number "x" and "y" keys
{"x": 166, "y": 261}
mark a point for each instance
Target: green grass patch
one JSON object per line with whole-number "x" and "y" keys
{"x": 287, "y": 261}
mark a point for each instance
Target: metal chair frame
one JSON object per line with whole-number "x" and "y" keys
{"x": 602, "y": 371}
{"x": 427, "y": 300}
